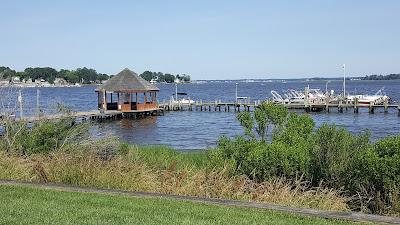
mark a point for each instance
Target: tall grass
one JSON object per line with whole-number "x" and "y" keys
{"x": 137, "y": 170}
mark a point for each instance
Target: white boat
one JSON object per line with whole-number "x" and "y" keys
{"x": 182, "y": 101}
{"x": 293, "y": 96}
{"x": 365, "y": 100}
{"x": 154, "y": 80}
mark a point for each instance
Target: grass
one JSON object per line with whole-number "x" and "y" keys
{"x": 26, "y": 205}
{"x": 164, "y": 156}
{"x": 145, "y": 170}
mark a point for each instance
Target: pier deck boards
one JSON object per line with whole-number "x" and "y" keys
{"x": 247, "y": 106}
{"x": 97, "y": 115}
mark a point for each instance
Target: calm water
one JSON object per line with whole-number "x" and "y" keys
{"x": 199, "y": 130}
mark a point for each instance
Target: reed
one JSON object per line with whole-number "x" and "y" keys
{"x": 134, "y": 171}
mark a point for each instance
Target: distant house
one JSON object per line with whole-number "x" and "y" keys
{"x": 29, "y": 81}
{"x": 177, "y": 80}
{"x": 60, "y": 81}
{"x": 4, "y": 82}
{"x": 16, "y": 80}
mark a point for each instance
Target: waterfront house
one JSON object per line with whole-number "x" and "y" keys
{"x": 60, "y": 81}
{"x": 127, "y": 92}
{"x": 16, "y": 80}
{"x": 4, "y": 82}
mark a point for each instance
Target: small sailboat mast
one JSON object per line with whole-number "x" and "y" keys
{"x": 344, "y": 80}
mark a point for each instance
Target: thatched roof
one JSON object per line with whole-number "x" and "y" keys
{"x": 127, "y": 81}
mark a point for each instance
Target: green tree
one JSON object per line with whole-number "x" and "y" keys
{"x": 169, "y": 78}
{"x": 265, "y": 115}
{"x": 147, "y": 75}
{"x": 6, "y": 72}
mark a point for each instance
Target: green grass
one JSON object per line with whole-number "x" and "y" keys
{"x": 24, "y": 205}
{"x": 164, "y": 156}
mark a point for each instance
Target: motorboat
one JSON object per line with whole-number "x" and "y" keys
{"x": 298, "y": 97}
{"x": 182, "y": 101}
{"x": 365, "y": 100}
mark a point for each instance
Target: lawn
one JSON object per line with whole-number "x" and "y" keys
{"x": 26, "y": 205}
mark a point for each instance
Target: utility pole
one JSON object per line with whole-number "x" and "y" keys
{"x": 20, "y": 104}
{"x": 37, "y": 103}
{"x": 176, "y": 92}
{"x": 236, "y": 92}
{"x": 344, "y": 80}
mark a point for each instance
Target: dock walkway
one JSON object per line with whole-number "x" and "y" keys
{"x": 97, "y": 115}
{"x": 249, "y": 106}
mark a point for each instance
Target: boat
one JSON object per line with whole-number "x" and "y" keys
{"x": 298, "y": 97}
{"x": 365, "y": 100}
{"x": 154, "y": 80}
{"x": 182, "y": 101}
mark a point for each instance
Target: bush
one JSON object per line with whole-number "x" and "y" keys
{"x": 287, "y": 155}
{"x": 333, "y": 155}
{"x": 378, "y": 176}
{"x": 276, "y": 160}
{"x": 43, "y": 136}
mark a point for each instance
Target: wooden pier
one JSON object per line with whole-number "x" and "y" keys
{"x": 215, "y": 106}
{"x": 99, "y": 116}
{"x": 218, "y": 105}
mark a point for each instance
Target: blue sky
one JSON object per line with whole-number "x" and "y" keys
{"x": 207, "y": 39}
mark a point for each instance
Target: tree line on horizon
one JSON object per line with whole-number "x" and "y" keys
{"x": 382, "y": 77}
{"x": 80, "y": 75}
{"x": 161, "y": 77}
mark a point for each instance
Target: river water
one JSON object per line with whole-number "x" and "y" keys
{"x": 199, "y": 130}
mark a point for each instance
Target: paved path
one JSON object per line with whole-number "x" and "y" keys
{"x": 352, "y": 216}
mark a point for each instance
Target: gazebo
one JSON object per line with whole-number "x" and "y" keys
{"x": 127, "y": 92}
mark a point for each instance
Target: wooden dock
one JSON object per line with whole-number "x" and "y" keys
{"x": 250, "y": 106}
{"x": 97, "y": 115}
{"x": 215, "y": 106}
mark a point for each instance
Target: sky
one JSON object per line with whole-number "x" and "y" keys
{"x": 207, "y": 39}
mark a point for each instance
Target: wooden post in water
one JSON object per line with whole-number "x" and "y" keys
{"x": 385, "y": 105}
{"x": 20, "y": 104}
{"x": 37, "y": 104}
{"x": 340, "y": 107}
{"x": 371, "y": 107}
{"x": 355, "y": 105}
{"x": 306, "y": 103}
{"x": 398, "y": 109}
{"x": 327, "y": 100}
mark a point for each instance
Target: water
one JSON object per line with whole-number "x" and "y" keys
{"x": 199, "y": 130}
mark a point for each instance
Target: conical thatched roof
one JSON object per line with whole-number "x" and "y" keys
{"x": 127, "y": 81}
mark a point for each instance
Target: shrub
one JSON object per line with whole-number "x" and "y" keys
{"x": 286, "y": 155}
{"x": 277, "y": 159}
{"x": 378, "y": 176}
{"x": 333, "y": 155}
{"x": 265, "y": 116}
{"x": 42, "y": 136}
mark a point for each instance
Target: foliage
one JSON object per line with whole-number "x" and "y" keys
{"x": 80, "y": 75}
{"x": 382, "y": 77}
{"x": 46, "y": 73}
{"x": 377, "y": 173}
{"x": 333, "y": 154}
{"x": 327, "y": 155}
{"x": 6, "y": 72}
{"x": 43, "y": 136}
{"x": 265, "y": 115}
{"x": 176, "y": 174}
{"x": 161, "y": 77}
